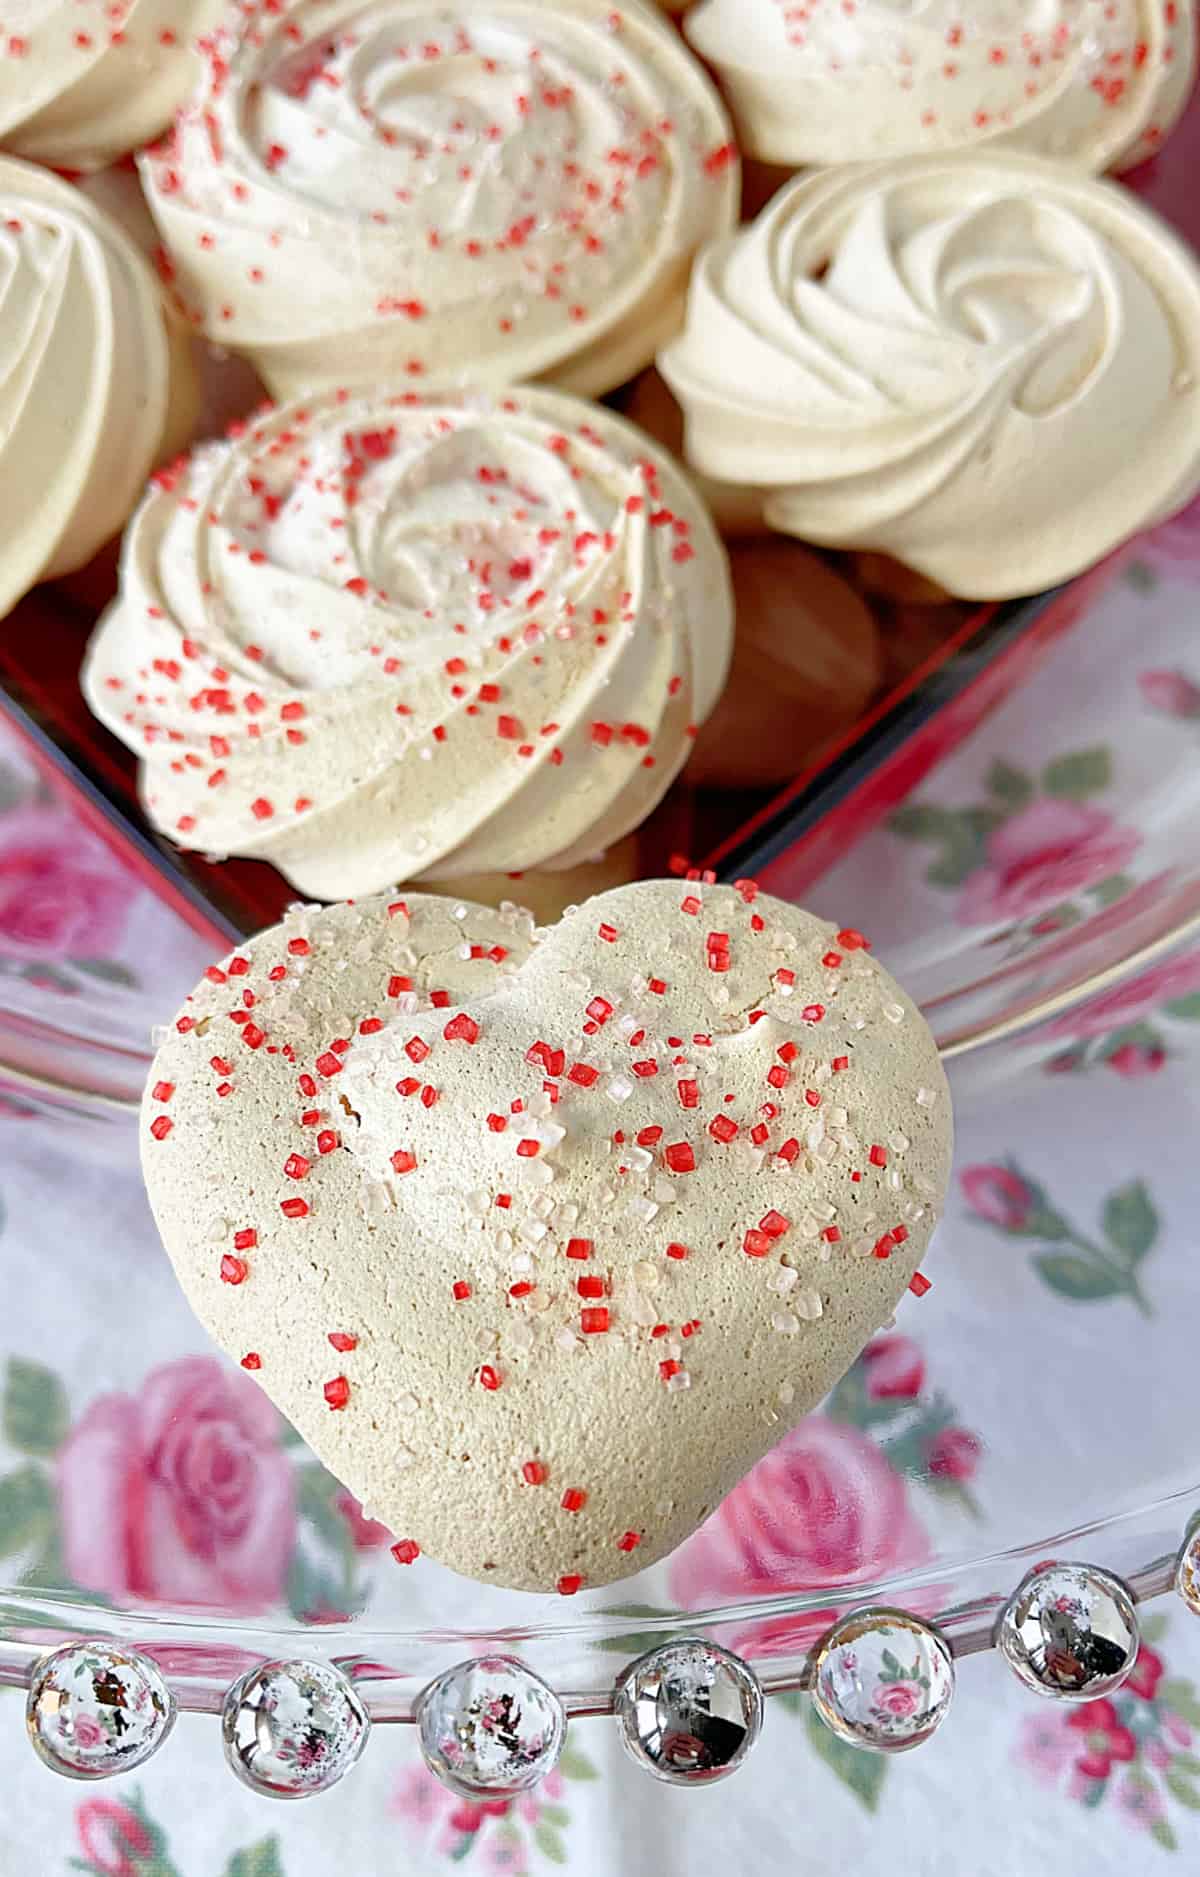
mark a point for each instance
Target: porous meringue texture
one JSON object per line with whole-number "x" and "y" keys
{"x": 501, "y": 191}
{"x": 1095, "y": 83}
{"x": 378, "y": 637}
{"x": 83, "y": 82}
{"x": 541, "y": 1240}
{"x": 96, "y": 378}
{"x": 985, "y": 366}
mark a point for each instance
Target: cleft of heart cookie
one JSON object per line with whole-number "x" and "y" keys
{"x": 542, "y": 1238}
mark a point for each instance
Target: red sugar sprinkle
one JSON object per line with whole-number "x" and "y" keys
{"x": 534, "y": 1472}
{"x": 306, "y": 1084}
{"x": 583, "y": 1075}
{"x": 489, "y": 1378}
{"x": 522, "y": 1289}
{"x": 689, "y": 1094}
{"x": 299, "y": 947}
{"x": 327, "y": 1141}
{"x": 787, "y": 1052}
{"x": 608, "y": 933}
{"x": 328, "y": 1064}
{"x": 722, "y": 1128}
{"x": 461, "y": 1290}
{"x": 680, "y": 1158}
{"x": 294, "y": 1208}
{"x": 676, "y": 1250}
{"x": 629, "y": 1541}
{"x": 342, "y": 1342}
{"x": 588, "y": 1286}
{"x": 774, "y": 1224}
{"x": 161, "y": 1126}
{"x": 407, "y": 1086}
{"x": 461, "y": 1029}
{"x": 852, "y": 941}
{"x": 406, "y": 1551}
{"x": 778, "y": 1076}
{"x": 831, "y": 1235}
{"x": 840, "y": 1062}
{"x": 254, "y": 1038}
{"x": 669, "y": 1368}
{"x": 252, "y": 1360}
{"x": 649, "y": 1137}
{"x": 690, "y": 905}
{"x": 900, "y": 1234}
{"x": 246, "y": 1239}
{"x": 812, "y": 1013}
{"x": 760, "y": 1134}
{"x": 569, "y": 1584}
{"x": 919, "y": 1285}
{"x": 832, "y": 960}
{"x": 756, "y": 1245}
{"x": 542, "y": 1056}
{"x": 812, "y": 1098}
{"x": 396, "y": 985}
{"x": 574, "y": 1499}
{"x": 415, "y": 1049}
{"x": 594, "y": 1322}
{"x": 403, "y": 1161}
{"x": 163, "y": 1091}
{"x": 790, "y": 1151}
{"x": 239, "y": 966}
{"x": 337, "y": 1392}
{"x": 528, "y": 1149}
{"x": 878, "y": 1156}
{"x": 234, "y": 1270}
{"x": 599, "y": 1010}
{"x": 262, "y": 809}
{"x": 579, "y": 1248}
{"x": 296, "y": 1166}
{"x": 370, "y": 1026}
{"x": 497, "y": 1123}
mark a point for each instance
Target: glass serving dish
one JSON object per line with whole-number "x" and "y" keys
{"x": 147, "y": 1492}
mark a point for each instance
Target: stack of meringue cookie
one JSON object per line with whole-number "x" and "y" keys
{"x": 436, "y": 614}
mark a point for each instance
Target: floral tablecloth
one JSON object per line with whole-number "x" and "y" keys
{"x": 180, "y": 1484}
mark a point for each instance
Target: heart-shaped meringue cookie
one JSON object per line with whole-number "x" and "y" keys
{"x": 541, "y": 1239}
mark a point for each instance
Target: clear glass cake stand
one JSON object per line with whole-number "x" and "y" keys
{"x": 1035, "y": 1404}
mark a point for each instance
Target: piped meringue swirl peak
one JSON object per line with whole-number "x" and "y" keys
{"x": 379, "y": 637}
{"x": 1095, "y": 83}
{"x": 504, "y": 191}
{"x": 985, "y": 366}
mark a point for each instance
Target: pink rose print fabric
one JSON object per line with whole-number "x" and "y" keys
{"x": 182, "y": 1495}
{"x": 1046, "y": 853}
{"x": 63, "y": 895}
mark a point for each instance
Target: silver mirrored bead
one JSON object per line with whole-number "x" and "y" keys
{"x": 490, "y": 1727}
{"x": 1187, "y": 1572}
{"x": 95, "y": 1709}
{"x": 883, "y": 1680}
{"x": 293, "y": 1729}
{"x": 1070, "y": 1631}
{"x": 689, "y": 1712}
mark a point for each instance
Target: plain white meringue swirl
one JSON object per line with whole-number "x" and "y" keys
{"x": 95, "y": 382}
{"x": 1097, "y": 83}
{"x": 82, "y": 82}
{"x": 473, "y": 192}
{"x": 378, "y": 636}
{"x": 985, "y": 366}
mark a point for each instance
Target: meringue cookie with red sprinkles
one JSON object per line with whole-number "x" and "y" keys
{"x": 504, "y": 191}
{"x": 380, "y": 636}
{"x": 542, "y": 1239}
{"x": 1094, "y": 83}
{"x": 83, "y": 82}
{"x": 98, "y": 383}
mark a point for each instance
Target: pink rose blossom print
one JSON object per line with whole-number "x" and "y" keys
{"x": 998, "y": 1195}
{"x": 63, "y": 894}
{"x": 181, "y": 1494}
{"x": 1171, "y": 693}
{"x": 1041, "y": 856}
{"x": 497, "y": 1835}
{"x": 822, "y": 1511}
{"x": 1079, "y": 1266}
{"x": 1131, "y": 1002}
{"x": 1132, "y": 1750}
{"x": 1174, "y": 548}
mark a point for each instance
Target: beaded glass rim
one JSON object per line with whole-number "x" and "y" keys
{"x": 1098, "y": 1661}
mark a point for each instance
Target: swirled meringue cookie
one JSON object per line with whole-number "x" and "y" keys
{"x": 503, "y": 191}
{"x": 380, "y": 637}
{"x": 84, "y": 81}
{"x": 984, "y": 366}
{"x": 97, "y": 381}
{"x": 1095, "y": 83}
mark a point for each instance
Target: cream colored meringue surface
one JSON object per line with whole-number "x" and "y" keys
{"x": 379, "y": 636}
{"x": 504, "y": 191}
{"x": 542, "y": 1239}
{"x": 83, "y": 82}
{"x": 985, "y": 366}
{"x": 94, "y": 376}
{"x": 1095, "y": 83}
